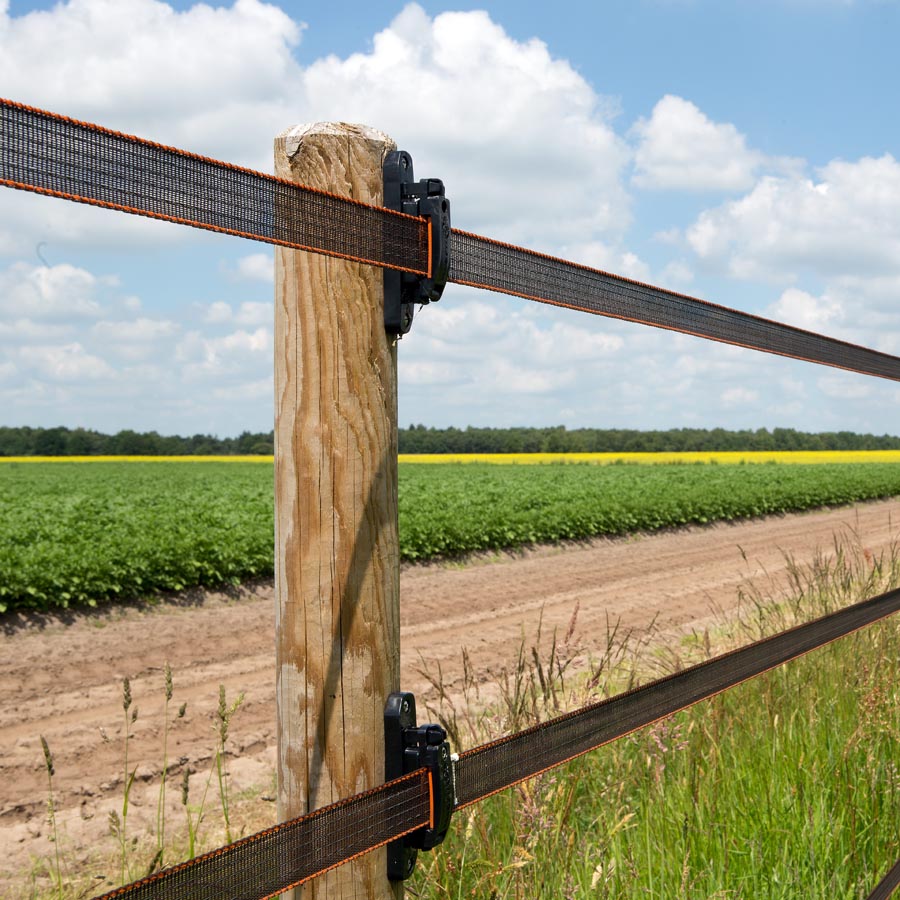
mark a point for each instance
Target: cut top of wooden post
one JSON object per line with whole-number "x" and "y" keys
{"x": 303, "y": 154}
{"x": 337, "y": 552}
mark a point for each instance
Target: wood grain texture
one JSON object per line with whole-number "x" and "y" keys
{"x": 337, "y": 556}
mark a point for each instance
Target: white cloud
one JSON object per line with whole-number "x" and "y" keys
{"x": 671, "y": 236}
{"x": 217, "y": 81}
{"x": 600, "y": 255}
{"x": 739, "y": 396}
{"x": 489, "y": 114}
{"x": 219, "y": 311}
{"x": 29, "y": 220}
{"x": 257, "y": 267}
{"x": 248, "y": 313}
{"x": 492, "y": 117}
{"x": 69, "y": 363}
{"x": 187, "y": 78}
{"x": 62, "y": 292}
{"x": 844, "y": 223}
{"x": 799, "y": 308}
{"x": 136, "y": 331}
{"x": 423, "y": 371}
{"x": 240, "y": 352}
{"x": 485, "y": 352}
{"x": 506, "y": 362}
{"x": 135, "y": 339}
{"x": 260, "y": 390}
{"x": 511, "y": 377}
{"x": 679, "y": 148}
{"x": 841, "y": 229}
{"x": 676, "y": 274}
{"x": 75, "y": 351}
{"x": 840, "y": 386}
{"x": 19, "y": 331}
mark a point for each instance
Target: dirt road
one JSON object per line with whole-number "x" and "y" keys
{"x": 61, "y": 677}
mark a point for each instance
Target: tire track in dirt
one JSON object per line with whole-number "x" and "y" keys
{"x": 61, "y": 677}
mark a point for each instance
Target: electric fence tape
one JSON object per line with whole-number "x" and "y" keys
{"x": 54, "y": 155}
{"x": 266, "y": 864}
{"x": 261, "y": 866}
{"x": 50, "y": 154}
{"x": 886, "y": 887}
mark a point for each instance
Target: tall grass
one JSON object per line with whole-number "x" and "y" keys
{"x": 134, "y": 853}
{"x": 785, "y": 787}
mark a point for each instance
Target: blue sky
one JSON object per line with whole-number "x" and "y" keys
{"x": 745, "y": 152}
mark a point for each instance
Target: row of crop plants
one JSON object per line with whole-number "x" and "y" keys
{"x": 83, "y": 534}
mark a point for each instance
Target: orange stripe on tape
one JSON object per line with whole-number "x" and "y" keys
{"x": 125, "y": 890}
{"x": 196, "y": 156}
{"x": 504, "y": 740}
{"x": 698, "y": 334}
{"x": 642, "y": 284}
{"x": 121, "y": 207}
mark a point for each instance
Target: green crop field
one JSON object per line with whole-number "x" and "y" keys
{"x": 83, "y": 533}
{"x": 451, "y": 509}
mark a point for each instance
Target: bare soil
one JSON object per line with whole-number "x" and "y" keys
{"x": 61, "y": 675}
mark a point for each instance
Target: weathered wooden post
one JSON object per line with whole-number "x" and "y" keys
{"x": 336, "y": 546}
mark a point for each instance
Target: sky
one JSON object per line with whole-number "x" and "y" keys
{"x": 742, "y": 151}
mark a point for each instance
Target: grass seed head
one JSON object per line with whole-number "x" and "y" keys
{"x": 221, "y": 712}
{"x": 126, "y": 693}
{"x": 225, "y": 712}
{"x": 169, "y": 686}
{"x": 48, "y": 757}
{"x": 185, "y": 786}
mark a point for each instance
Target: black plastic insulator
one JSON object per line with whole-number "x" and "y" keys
{"x": 403, "y": 291}
{"x": 409, "y": 747}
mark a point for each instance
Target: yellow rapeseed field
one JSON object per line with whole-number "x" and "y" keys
{"x": 601, "y": 459}
{"x": 90, "y": 459}
{"x": 529, "y": 459}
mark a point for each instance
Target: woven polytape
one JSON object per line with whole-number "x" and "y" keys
{"x": 50, "y": 154}
{"x": 481, "y": 262}
{"x": 497, "y": 765}
{"x": 272, "y": 861}
{"x": 888, "y": 885}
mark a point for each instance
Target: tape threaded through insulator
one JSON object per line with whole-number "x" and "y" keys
{"x": 266, "y": 864}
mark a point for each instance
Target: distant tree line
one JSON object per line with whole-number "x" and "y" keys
{"x": 419, "y": 439}
{"x": 84, "y": 442}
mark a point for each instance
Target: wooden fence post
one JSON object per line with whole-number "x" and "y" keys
{"x": 337, "y": 568}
